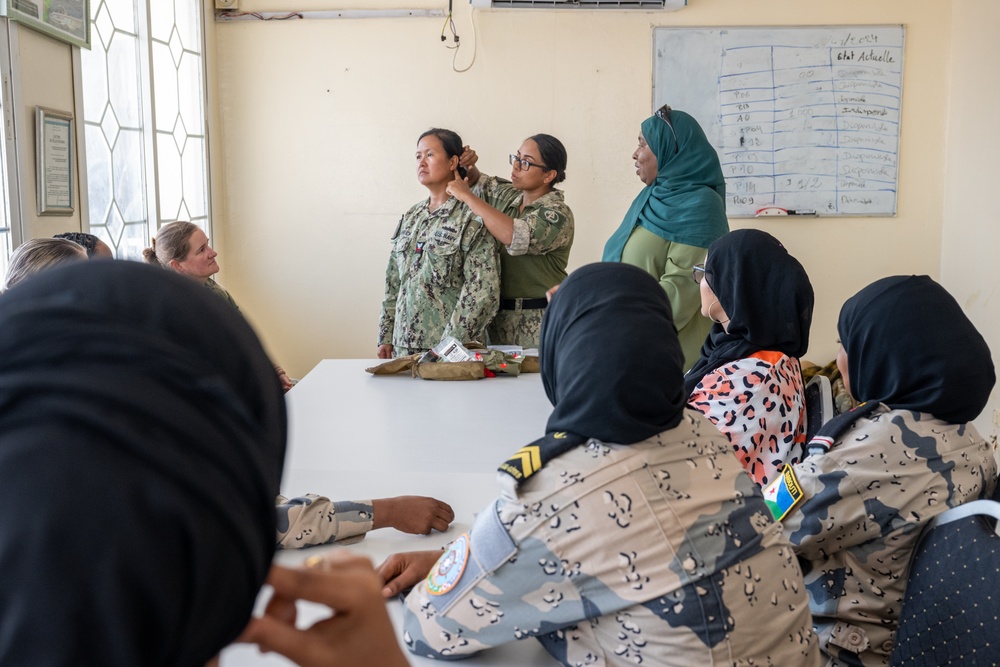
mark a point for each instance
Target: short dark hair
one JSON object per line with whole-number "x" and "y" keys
{"x": 553, "y": 155}
{"x": 88, "y": 241}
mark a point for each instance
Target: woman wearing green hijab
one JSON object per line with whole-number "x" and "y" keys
{"x": 679, "y": 213}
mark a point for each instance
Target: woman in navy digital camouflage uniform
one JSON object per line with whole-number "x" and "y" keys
{"x": 443, "y": 276}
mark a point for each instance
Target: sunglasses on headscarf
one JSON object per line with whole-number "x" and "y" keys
{"x": 663, "y": 113}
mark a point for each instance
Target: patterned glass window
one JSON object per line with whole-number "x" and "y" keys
{"x": 144, "y": 117}
{"x": 5, "y": 239}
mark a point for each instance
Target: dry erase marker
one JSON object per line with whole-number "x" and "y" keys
{"x": 777, "y": 210}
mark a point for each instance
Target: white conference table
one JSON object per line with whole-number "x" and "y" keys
{"x": 355, "y": 436}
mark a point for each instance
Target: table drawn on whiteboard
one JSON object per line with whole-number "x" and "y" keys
{"x": 803, "y": 118}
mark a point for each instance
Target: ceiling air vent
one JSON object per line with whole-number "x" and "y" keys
{"x": 669, "y": 5}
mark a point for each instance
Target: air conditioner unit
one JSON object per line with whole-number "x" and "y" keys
{"x": 649, "y": 5}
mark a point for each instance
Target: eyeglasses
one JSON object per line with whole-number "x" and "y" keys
{"x": 698, "y": 273}
{"x": 663, "y": 113}
{"x": 523, "y": 165}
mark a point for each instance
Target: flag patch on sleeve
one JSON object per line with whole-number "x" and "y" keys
{"x": 783, "y": 494}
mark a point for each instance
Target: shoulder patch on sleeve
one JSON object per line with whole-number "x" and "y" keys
{"x": 783, "y": 494}
{"x": 470, "y": 558}
{"x": 552, "y": 216}
{"x": 449, "y": 567}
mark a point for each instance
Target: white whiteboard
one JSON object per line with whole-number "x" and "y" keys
{"x": 802, "y": 118}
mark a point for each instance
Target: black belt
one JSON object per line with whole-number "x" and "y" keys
{"x": 526, "y": 304}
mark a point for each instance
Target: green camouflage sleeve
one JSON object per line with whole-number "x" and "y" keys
{"x": 479, "y": 298}
{"x": 832, "y": 514}
{"x": 542, "y": 230}
{"x": 496, "y": 192}
{"x": 387, "y": 318}
{"x": 311, "y": 519}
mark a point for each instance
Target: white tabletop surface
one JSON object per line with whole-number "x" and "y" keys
{"x": 355, "y": 436}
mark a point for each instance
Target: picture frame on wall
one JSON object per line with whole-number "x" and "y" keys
{"x": 54, "y": 155}
{"x": 66, "y": 20}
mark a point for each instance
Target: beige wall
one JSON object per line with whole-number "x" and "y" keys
{"x": 313, "y": 124}
{"x": 46, "y": 79}
{"x": 320, "y": 119}
{"x": 971, "y": 234}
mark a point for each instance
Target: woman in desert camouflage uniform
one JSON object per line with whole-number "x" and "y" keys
{"x": 855, "y": 507}
{"x": 628, "y": 534}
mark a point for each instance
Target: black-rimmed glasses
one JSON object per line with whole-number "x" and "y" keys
{"x": 663, "y": 113}
{"x": 523, "y": 164}
{"x": 698, "y": 273}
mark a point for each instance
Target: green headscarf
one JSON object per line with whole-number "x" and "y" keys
{"x": 687, "y": 201}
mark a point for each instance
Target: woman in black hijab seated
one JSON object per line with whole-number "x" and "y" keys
{"x": 142, "y": 435}
{"x": 748, "y": 381}
{"x": 855, "y": 507}
{"x": 628, "y": 533}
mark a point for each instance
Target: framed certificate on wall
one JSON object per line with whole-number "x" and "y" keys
{"x": 54, "y": 158}
{"x": 68, "y": 20}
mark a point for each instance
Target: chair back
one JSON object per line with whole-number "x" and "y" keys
{"x": 952, "y": 602}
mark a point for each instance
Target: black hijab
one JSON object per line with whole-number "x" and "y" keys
{"x": 910, "y": 346}
{"x": 608, "y": 367}
{"x": 142, "y": 435}
{"x": 766, "y": 295}
{"x": 611, "y": 364}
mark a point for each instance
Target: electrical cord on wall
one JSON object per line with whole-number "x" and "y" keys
{"x": 261, "y": 17}
{"x": 449, "y": 24}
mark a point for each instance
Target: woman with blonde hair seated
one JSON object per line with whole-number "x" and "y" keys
{"x": 311, "y": 519}
{"x": 183, "y": 247}
{"x": 36, "y": 255}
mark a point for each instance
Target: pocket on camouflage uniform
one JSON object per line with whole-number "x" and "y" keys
{"x": 848, "y": 637}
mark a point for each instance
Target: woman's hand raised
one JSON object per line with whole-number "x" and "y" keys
{"x": 459, "y": 188}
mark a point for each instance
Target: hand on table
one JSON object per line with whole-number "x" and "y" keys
{"x": 401, "y": 572}
{"x": 358, "y": 634}
{"x": 385, "y": 351}
{"x": 417, "y": 515}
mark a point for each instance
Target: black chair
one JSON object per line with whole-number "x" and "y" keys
{"x": 951, "y": 613}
